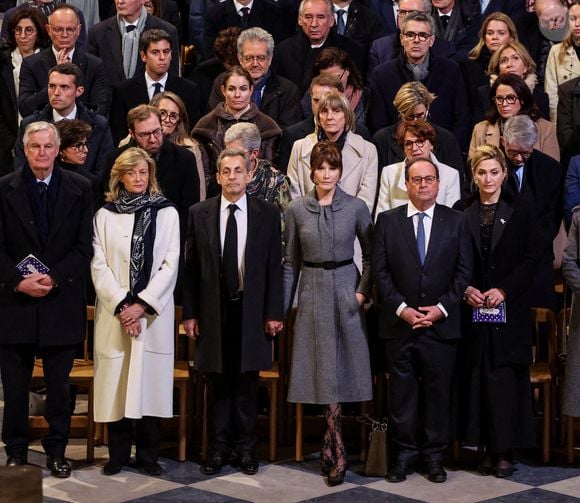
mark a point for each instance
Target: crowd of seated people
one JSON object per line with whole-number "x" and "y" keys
{"x": 211, "y": 133}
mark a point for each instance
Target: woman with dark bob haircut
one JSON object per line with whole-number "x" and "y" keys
{"x": 509, "y": 96}
{"x": 330, "y": 356}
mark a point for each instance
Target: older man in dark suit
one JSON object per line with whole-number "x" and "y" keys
{"x": 422, "y": 264}
{"x": 116, "y": 41}
{"x": 155, "y": 52}
{"x": 232, "y": 304}
{"x": 45, "y": 212}
{"x": 63, "y": 28}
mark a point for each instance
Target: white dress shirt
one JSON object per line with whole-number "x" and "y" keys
{"x": 151, "y": 84}
{"x": 240, "y": 6}
{"x": 241, "y": 216}
{"x": 56, "y": 117}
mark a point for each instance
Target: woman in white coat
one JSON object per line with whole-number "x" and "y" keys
{"x": 416, "y": 139}
{"x": 134, "y": 270}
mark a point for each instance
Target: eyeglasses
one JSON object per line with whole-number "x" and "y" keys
{"x": 169, "y": 116}
{"x": 510, "y": 99}
{"x": 422, "y": 36}
{"x": 81, "y": 145}
{"x": 525, "y": 155}
{"x": 60, "y": 30}
{"x": 146, "y": 134}
{"x": 403, "y": 12}
{"x": 418, "y": 180}
{"x": 257, "y": 59}
{"x": 28, "y": 30}
{"x": 410, "y": 143}
{"x": 419, "y": 116}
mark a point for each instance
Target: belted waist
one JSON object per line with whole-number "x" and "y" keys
{"x": 327, "y": 266}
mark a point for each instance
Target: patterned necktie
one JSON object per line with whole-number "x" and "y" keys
{"x": 340, "y": 24}
{"x": 230, "y": 254}
{"x": 421, "y": 238}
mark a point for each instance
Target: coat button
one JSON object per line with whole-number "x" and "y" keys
{"x": 565, "y": 77}
{"x": 422, "y": 295}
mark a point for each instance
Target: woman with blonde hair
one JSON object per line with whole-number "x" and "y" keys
{"x": 563, "y": 63}
{"x": 134, "y": 271}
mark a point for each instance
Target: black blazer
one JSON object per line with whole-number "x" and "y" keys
{"x": 132, "y": 92}
{"x": 568, "y": 126}
{"x": 363, "y": 25}
{"x": 511, "y": 267}
{"x": 262, "y": 283}
{"x": 399, "y": 277}
{"x": 58, "y": 318}
{"x": 104, "y": 41}
{"x": 8, "y": 113}
{"x": 33, "y": 93}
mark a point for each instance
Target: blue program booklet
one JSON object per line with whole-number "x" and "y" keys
{"x": 31, "y": 265}
{"x": 489, "y": 315}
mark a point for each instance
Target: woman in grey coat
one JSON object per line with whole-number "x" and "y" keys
{"x": 330, "y": 357}
{"x": 571, "y": 271}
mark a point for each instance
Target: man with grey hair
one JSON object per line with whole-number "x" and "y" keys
{"x": 266, "y": 182}
{"x": 46, "y": 231}
{"x": 537, "y": 179}
{"x": 441, "y": 76}
{"x": 275, "y": 96}
{"x": 294, "y": 57}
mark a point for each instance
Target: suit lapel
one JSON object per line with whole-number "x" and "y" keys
{"x": 408, "y": 231}
{"x": 437, "y": 229}
{"x": 141, "y": 89}
{"x": 212, "y": 230}
{"x": 472, "y": 217}
{"x": 502, "y": 216}
{"x": 115, "y": 41}
{"x": 20, "y": 202}
{"x": 66, "y": 197}
{"x": 253, "y": 231}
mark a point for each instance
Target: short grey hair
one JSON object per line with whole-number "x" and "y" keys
{"x": 520, "y": 130}
{"x": 37, "y": 127}
{"x": 247, "y": 133}
{"x": 257, "y": 34}
{"x": 328, "y": 3}
{"x": 420, "y": 17}
{"x": 233, "y": 152}
{"x": 427, "y": 6}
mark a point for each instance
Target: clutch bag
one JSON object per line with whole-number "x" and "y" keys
{"x": 489, "y": 314}
{"x": 31, "y": 265}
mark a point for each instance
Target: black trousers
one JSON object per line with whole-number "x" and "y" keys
{"x": 234, "y": 393}
{"x": 16, "y": 365}
{"x": 147, "y": 440}
{"x": 421, "y": 370}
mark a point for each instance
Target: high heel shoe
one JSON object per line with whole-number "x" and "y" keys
{"x": 326, "y": 458}
{"x": 338, "y": 471}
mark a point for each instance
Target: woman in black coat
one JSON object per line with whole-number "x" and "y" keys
{"x": 494, "y": 380}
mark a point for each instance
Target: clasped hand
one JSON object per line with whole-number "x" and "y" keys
{"x": 129, "y": 318}
{"x": 422, "y": 317}
{"x": 490, "y": 298}
{"x": 36, "y": 285}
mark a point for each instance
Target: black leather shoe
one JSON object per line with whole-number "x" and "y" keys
{"x": 214, "y": 464}
{"x": 59, "y": 467}
{"x": 112, "y": 468}
{"x": 503, "y": 468}
{"x": 151, "y": 468}
{"x": 397, "y": 473}
{"x": 248, "y": 463}
{"x": 15, "y": 460}
{"x": 435, "y": 472}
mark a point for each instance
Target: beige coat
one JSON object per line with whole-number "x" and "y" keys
{"x": 558, "y": 73}
{"x": 133, "y": 376}
{"x": 485, "y": 133}
{"x": 359, "y": 168}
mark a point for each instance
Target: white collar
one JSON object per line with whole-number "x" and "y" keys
{"x": 240, "y": 6}
{"x": 69, "y": 55}
{"x": 412, "y": 210}
{"x": 161, "y": 81}
{"x": 57, "y": 117}
{"x": 241, "y": 203}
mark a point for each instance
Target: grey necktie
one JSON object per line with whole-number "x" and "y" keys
{"x": 421, "y": 238}
{"x": 340, "y": 24}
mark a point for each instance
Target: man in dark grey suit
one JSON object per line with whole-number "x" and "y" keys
{"x": 116, "y": 41}
{"x": 232, "y": 304}
{"x": 64, "y": 29}
{"x": 422, "y": 263}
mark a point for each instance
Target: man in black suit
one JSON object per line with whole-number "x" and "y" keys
{"x": 422, "y": 264}
{"x": 46, "y": 212}
{"x": 246, "y": 14}
{"x": 538, "y": 179}
{"x": 456, "y": 22}
{"x": 65, "y": 86}
{"x": 116, "y": 41}
{"x": 155, "y": 52}
{"x": 357, "y": 22}
{"x": 63, "y": 28}
{"x": 440, "y": 76}
{"x": 294, "y": 57}
{"x": 232, "y": 304}
{"x": 275, "y": 96}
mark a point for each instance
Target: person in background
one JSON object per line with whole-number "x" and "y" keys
{"x": 134, "y": 271}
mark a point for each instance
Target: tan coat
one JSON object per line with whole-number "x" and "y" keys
{"x": 485, "y": 133}
{"x": 133, "y": 376}
{"x": 558, "y": 73}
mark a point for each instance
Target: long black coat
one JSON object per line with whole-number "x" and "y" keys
{"x": 568, "y": 126}
{"x": 510, "y": 267}
{"x": 262, "y": 283}
{"x": 8, "y": 113}
{"x": 58, "y": 318}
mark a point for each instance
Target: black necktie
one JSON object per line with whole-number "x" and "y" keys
{"x": 444, "y": 21}
{"x": 43, "y": 213}
{"x": 245, "y": 15}
{"x": 129, "y": 28}
{"x": 230, "y": 254}
{"x": 157, "y": 89}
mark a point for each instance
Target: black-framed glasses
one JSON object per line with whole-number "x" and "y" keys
{"x": 422, "y": 36}
{"x": 510, "y": 99}
{"x": 420, "y": 143}
{"x": 169, "y": 116}
{"x": 146, "y": 134}
{"x": 419, "y": 116}
{"x": 403, "y": 12}
{"x": 27, "y": 30}
{"x": 418, "y": 180}
{"x": 524, "y": 154}
{"x": 81, "y": 145}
